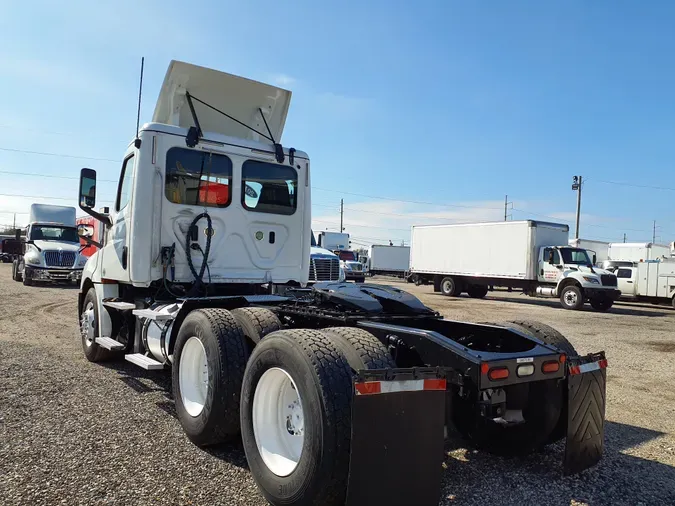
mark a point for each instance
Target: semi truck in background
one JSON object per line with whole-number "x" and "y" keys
{"x": 389, "y": 260}
{"x": 338, "y": 243}
{"x": 598, "y": 248}
{"x": 52, "y": 247}
{"x": 330, "y": 389}
{"x": 324, "y": 265}
{"x": 531, "y": 255}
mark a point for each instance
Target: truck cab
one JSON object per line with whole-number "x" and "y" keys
{"x": 324, "y": 265}
{"x": 573, "y": 277}
{"x": 52, "y": 247}
{"x": 353, "y": 269}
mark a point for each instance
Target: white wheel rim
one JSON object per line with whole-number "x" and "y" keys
{"x": 193, "y": 376}
{"x": 571, "y": 298}
{"x": 446, "y": 286}
{"x": 278, "y": 421}
{"x": 87, "y": 324}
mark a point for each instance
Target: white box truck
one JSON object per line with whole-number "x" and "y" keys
{"x": 650, "y": 281}
{"x": 389, "y": 260}
{"x": 333, "y": 241}
{"x": 598, "y": 248}
{"x": 52, "y": 247}
{"x": 531, "y": 255}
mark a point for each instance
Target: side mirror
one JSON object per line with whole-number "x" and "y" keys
{"x": 84, "y": 230}
{"x": 595, "y": 259}
{"x": 87, "y": 198}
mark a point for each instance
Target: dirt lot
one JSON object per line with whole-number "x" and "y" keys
{"x": 76, "y": 433}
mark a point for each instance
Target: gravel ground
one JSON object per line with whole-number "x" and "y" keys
{"x": 76, "y": 433}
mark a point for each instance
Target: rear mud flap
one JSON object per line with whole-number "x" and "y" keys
{"x": 398, "y": 419}
{"x": 585, "y": 412}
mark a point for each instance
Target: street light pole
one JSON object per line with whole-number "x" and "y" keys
{"x": 576, "y": 185}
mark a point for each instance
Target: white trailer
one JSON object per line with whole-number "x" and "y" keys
{"x": 598, "y": 249}
{"x": 651, "y": 281}
{"x": 531, "y": 255}
{"x": 638, "y": 251}
{"x": 389, "y": 260}
{"x": 52, "y": 247}
{"x": 333, "y": 241}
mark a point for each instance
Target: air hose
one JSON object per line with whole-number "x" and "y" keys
{"x": 199, "y": 276}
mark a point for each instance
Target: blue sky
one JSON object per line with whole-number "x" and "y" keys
{"x": 446, "y": 102}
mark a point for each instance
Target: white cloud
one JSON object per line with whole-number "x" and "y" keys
{"x": 283, "y": 80}
{"x": 338, "y": 106}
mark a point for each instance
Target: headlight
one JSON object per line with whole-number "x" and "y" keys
{"x": 592, "y": 280}
{"x": 32, "y": 258}
{"x": 82, "y": 261}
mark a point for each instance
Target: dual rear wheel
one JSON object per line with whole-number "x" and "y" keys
{"x": 289, "y": 396}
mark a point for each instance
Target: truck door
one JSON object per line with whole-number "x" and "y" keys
{"x": 626, "y": 281}
{"x": 115, "y": 252}
{"x": 549, "y": 273}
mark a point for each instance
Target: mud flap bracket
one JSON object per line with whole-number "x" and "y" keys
{"x": 586, "y": 383}
{"x": 398, "y": 417}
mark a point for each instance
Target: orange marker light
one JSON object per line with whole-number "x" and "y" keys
{"x": 498, "y": 373}
{"x": 549, "y": 367}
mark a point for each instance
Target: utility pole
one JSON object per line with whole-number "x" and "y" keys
{"x": 14, "y": 225}
{"x": 506, "y": 205}
{"x": 576, "y": 185}
{"x": 624, "y": 237}
{"x": 654, "y": 233}
{"x": 342, "y": 212}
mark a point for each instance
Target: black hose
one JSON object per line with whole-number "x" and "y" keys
{"x": 199, "y": 277}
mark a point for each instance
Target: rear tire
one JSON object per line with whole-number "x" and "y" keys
{"x": 361, "y": 349}
{"x": 256, "y": 322}
{"x": 17, "y": 274}
{"x": 601, "y": 304}
{"x": 211, "y": 352}
{"x": 571, "y": 297}
{"x": 477, "y": 291}
{"x": 450, "y": 287}
{"x": 314, "y": 442}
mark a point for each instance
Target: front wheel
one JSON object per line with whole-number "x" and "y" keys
{"x": 571, "y": 297}
{"x": 296, "y": 418}
{"x": 601, "y": 304}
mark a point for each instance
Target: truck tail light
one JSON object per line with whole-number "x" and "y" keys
{"x": 551, "y": 366}
{"x": 498, "y": 373}
{"x": 525, "y": 370}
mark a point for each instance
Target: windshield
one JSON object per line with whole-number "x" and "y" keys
{"x": 348, "y": 256}
{"x": 53, "y": 233}
{"x": 575, "y": 256}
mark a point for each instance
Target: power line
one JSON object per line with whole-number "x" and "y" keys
{"x": 407, "y": 201}
{"x": 50, "y": 175}
{"x": 636, "y": 185}
{"x": 60, "y": 155}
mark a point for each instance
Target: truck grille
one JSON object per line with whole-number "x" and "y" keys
{"x": 324, "y": 269}
{"x": 59, "y": 258}
{"x": 608, "y": 279}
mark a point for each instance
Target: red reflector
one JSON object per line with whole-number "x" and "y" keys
{"x": 550, "y": 367}
{"x": 603, "y": 363}
{"x": 367, "y": 388}
{"x": 484, "y": 368}
{"x": 563, "y": 358}
{"x": 434, "y": 384}
{"x": 498, "y": 373}
{"x": 106, "y": 281}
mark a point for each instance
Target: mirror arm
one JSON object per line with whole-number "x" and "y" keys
{"x": 100, "y": 217}
{"x": 90, "y": 242}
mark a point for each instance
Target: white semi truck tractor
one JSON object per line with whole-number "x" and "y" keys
{"x": 332, "y": 388}
{"x": 52, "y": 247}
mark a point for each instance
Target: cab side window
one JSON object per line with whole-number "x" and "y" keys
{"x": 624, "y": 273}
{"x": 124, "y": 190}
{"x": 547, "y": 254}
